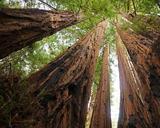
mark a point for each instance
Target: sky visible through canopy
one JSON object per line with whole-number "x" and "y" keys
{"x": 115, "y": 99}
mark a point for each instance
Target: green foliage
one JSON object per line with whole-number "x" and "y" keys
{"x": 110, "y": 36}
{"x": 97, "y": 75}
{"x": 142, "y": 23}
{"x": 32, "y": 58}
{"x": 94, "y": 10}
{"x": 13, "y": 3}
{"x": 2, "y": 3}
{"x": 147, "y": 6}
{"x": 143, "y": 6}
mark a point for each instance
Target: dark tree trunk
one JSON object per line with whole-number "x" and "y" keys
{"x": 133, "y": 108}
{"x": 101, "y": 117}
{"x": 22, "y": 27}
{"x": 145, "y": 56}
{"x": 62, "y": 88}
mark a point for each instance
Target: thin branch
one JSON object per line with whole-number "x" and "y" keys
{"x": 128, "y": 5}
{"x": 134, "y": 6}
{"x": 48, "y": 5}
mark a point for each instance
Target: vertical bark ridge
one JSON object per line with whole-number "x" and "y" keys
{"x": 146, "y": 61}
{"x": 101, "y": 117}
{"x": 22, "y": 27}
{"x": 133, "y": 108}
{"x": 67, "y": 82}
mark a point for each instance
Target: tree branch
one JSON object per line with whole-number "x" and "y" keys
{"x": 48, "y": 5}
{"x": 134, "y": 6}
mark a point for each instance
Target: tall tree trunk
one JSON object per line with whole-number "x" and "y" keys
{"x": 145, "y": 56}
{"x": 133, "y": 108}
{"x": 62, "y": 88}
{"x": 101, "y": 117}
{"x": 22, "y": 27}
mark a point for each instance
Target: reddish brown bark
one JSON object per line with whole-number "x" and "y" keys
{"x": 146, "y": 60}
{"x": 133, "y": 108}
{"x": 22, "y": 27}
{"x": 62, "y": 88}
{"x": 101, "y": 117}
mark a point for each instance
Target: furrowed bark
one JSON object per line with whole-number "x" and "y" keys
{"x": 101, "y": 117}
{"x": 62, "y": 88}
{"x": 22, "y": 27}
{"x": 133, "y": 108}
{"x": 146, "y": 60}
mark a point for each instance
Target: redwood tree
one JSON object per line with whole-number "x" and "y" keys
{"x": 101, "y": 117}
{"x": 62, "y": 88}
{"x": 145, "y": 57}
{"x": 133, "y": 107}
{"x": 22, "y": 27}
